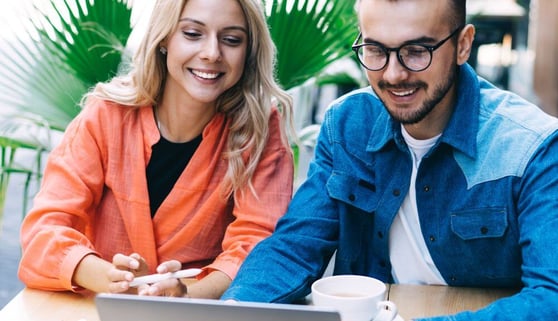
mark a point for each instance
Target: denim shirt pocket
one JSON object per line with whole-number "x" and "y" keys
{"x": 352, "y": 190}
{"x": 480, "y": 223}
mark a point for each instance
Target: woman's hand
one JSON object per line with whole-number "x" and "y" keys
{"x": 212, "y": 286}
{"x": 98, "y": 275}
{"x": 125, "y": 269}
{"x": 170, "y": 287}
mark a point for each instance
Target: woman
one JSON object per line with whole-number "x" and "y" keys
{"x": 184, "y": 159}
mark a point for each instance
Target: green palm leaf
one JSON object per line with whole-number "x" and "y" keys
{"x": 309, "y": 36}
{"x": 92, "y": 39}
{"x": 81, "y": 44}
{"x": 41, "y": 85}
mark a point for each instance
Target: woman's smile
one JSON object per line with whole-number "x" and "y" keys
{"x": 206, "y": 75}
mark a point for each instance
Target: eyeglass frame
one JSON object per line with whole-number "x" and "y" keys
{"x": 387, "y": 50}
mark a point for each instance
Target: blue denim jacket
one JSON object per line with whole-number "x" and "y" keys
{"x": 487, "y": 196}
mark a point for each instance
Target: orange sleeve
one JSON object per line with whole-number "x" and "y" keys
{"x": 54, "y": 234}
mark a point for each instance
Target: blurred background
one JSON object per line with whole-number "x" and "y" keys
{"x": 516, "y": 47}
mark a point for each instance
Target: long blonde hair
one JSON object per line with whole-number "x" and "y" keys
{"x": 247, "y": 104}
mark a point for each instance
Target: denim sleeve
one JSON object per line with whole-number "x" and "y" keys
{"x": 282, "y": 267}
{"x": 537, "y": 215}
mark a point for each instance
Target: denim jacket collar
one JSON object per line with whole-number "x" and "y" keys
{"x": 463, "y": 126}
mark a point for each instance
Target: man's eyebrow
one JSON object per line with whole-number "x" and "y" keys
{"x": 233, "y": 27}
{"x": 419, "y": 40}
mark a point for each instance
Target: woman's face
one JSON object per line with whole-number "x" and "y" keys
{"x": 206, "y": 53}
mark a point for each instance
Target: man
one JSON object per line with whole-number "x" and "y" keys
{"x": 430, "y": 176}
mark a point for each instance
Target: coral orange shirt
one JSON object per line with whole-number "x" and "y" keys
{"x": 94, "y": 199}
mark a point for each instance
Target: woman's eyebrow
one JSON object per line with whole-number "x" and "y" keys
{"x": 201, "y": 23}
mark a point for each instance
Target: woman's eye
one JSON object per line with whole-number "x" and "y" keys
{"x": 232, "y": 41}
{"x": 191, "y": 34}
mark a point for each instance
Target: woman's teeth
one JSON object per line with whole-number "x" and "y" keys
{"x": 205, "y": 75}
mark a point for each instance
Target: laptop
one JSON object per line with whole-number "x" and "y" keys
{"x": 118, "y": 307}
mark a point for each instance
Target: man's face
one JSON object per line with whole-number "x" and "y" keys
{"x": 412, "y": 97}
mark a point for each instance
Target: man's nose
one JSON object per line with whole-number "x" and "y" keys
{"x": 394, "y": 71}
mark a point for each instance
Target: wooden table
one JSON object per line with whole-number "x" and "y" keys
{"x": 412, "y": 301}
{"x": 425, "y": 301}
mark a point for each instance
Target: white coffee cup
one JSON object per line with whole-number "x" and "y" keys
{"x": 356, "y": 297}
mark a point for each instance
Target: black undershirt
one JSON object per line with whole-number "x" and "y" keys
{"x": 168, "y": 161}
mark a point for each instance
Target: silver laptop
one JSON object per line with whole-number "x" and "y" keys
{"x": 118, "y": 307}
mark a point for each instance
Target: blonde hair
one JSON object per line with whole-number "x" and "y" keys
{"x": 247, "y": 104}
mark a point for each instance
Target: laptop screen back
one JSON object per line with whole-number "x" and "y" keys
{"x": 118, "y": 307}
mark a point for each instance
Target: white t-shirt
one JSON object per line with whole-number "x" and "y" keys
{"x": 410, "y": 260}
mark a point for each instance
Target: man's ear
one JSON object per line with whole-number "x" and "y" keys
{"x": 465, "y": 43}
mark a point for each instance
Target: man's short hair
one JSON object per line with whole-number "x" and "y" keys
{"x": 457, "y": 18}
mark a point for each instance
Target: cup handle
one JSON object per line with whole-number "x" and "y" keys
{"x": 387, "y": 311}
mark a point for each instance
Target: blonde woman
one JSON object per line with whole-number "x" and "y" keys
{"x": 184, "y": 160}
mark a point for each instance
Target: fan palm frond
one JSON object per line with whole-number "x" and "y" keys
{"x": 67, "y": 53}
{"x": 309, "y": 36}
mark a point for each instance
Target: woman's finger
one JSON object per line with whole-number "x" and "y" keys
{"x": 171, "y": 287}
{"x": 169, "y": 266}
{"x": 125, "y": 262}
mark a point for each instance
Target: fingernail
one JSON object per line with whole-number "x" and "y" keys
{"x": 134, "y": 264}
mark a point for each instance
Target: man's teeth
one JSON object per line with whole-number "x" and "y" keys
{"x": 205, "y": 75}
{"x": 403, "y": 93}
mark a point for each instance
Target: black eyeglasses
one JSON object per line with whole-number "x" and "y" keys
{"x": 415, "y": 57}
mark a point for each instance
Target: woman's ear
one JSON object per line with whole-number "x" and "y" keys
{"x": 465, "y": 43}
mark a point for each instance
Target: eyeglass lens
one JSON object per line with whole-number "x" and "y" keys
{"x": 413, "y": 57}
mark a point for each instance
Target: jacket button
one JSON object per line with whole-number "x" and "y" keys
{"x": 381, "y": 235}
{"x": 432, "y": 238}
{"x": 426, "y": 188}
{"x": 352, "y": 197}
{"x": 383, "y": 263}
{"x": 396, "y": 192}
{"x": 484, "y": 230}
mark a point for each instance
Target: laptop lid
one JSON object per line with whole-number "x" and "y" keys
{"x": 118, "y": 307}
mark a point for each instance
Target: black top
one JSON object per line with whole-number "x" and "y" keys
{"x": 168, "y": 161}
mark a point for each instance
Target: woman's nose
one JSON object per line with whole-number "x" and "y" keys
{"x": 211, "y": 50}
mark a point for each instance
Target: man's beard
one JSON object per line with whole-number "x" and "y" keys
{"x": 428, "y": 105}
